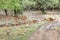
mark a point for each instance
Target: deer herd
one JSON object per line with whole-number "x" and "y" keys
{"x": 24, "y": 20}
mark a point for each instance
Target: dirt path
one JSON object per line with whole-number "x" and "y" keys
{"x": 50, "y": 25}
{"x": 46, "y": 32}
{"x": 45, "y": 35}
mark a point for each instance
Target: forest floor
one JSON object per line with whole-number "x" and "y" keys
{"x": 30, "y": 23}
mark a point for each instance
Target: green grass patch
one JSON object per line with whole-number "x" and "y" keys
{"x": 18, "y": 33}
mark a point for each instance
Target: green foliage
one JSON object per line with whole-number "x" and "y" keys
{"x": 47, "y": 3}
{"x": 44, "y": 4}
{"x": 10, "y": 4}
{"x": 53, "y": 3}
{"x": 20, "y": 4}
{"x": 23, "y": 4}
{"x": 28, "y": 3}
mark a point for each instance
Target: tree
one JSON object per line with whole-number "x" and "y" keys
{"x": 17, "y": 6}
{"x": 44, "y": 4}
{"x": 4, "y": 5}
{"x": 10, "y": 5}
{"x": 54, "y": 4}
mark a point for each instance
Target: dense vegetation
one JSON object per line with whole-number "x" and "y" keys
{"x": 19, "y": 5}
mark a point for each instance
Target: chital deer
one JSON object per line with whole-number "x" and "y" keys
{"x": 23, "y": 17}
{"x": 49, "y": 19}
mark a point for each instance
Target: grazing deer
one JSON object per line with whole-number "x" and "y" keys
{"x": 0, "y": 17}
{"x": 15, "y": 18}
{"x": 8, "y": 17}
{"x": 23, "y": 17}
{"x": 49, "y": 19}
{"x": 32, "y": 21}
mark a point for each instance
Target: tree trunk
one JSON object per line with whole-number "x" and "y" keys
{"x": 43, "y": 11}
{"x": 6, "y": 12}
{"x": 15, "y": 12}
{"x": 19, "y": 12}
